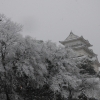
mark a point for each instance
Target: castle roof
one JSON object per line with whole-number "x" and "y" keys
{"x": 72, "y": 37}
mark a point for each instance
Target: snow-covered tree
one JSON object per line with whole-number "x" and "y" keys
{"x": 9, "y": 36}
{"x": 34, "y": 69}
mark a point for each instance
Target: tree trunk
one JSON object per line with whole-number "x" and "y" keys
{"x": 6, "y": 90}
{"x": 7, "y": 96}
{"x": 70, "y": 94}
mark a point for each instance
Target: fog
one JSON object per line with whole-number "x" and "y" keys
{"x": 54, "y": 19}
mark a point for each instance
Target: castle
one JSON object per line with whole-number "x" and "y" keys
{"x": 81, "y": 47}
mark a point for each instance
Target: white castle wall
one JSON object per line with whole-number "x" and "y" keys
{"x": 82, "y": 52}
{"x": 74, "y": 43}
{"x": 96, "y": 67}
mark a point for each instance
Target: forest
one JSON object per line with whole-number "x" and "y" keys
{"x": 33, "y": 69}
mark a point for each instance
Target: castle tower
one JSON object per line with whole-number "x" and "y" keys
{"x": 81, "y": 47}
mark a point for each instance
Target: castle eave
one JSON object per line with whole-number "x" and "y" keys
{"x": 79, "y": 38}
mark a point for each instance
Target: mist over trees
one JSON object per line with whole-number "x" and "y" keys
{"x": 32, "y": 69}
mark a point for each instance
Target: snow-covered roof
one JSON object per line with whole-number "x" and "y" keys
{"x": 72, "y": 37}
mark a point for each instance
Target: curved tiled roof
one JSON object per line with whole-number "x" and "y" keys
{"x": 73, "y": 37}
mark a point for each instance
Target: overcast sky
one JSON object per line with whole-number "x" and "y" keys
{"x": 54, "y": 19}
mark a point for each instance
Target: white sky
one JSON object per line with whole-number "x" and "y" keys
{"x": 54, "y": 19}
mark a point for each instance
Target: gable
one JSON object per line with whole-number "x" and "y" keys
{"x": 71, "y": 37}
